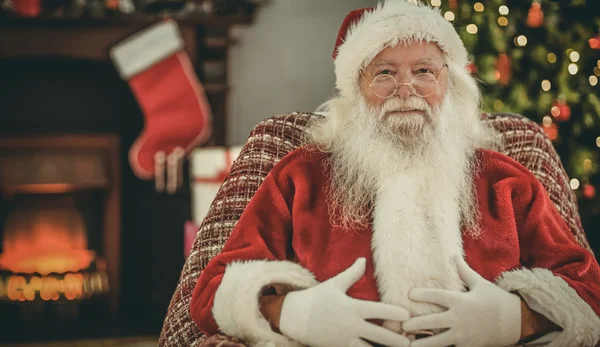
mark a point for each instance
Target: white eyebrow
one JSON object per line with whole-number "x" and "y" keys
{"x": 424, "y": 62}
{"x": 384, "y": 62}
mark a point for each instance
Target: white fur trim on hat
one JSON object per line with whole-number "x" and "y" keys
{"x": 388, "y": 24}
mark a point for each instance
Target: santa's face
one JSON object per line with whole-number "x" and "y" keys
{"x": 405, "y": 106}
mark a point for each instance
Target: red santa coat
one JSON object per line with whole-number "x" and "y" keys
{"x": 285, "y": 237}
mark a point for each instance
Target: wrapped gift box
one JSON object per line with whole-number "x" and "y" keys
{"x": 209, "y": 166}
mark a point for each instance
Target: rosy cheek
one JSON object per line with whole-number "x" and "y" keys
{"x": 371, "y": 98}
{"x": 375, "y": 100}
{"x": 432, "y": 100}
{"x": 435, "y": 99}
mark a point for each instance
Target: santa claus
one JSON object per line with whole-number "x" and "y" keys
{"x": 397, "y": 223}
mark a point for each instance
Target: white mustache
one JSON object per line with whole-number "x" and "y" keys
{"x": 406, "y": 104}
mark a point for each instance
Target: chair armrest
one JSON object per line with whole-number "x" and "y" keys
{"x": 222, "y": 341}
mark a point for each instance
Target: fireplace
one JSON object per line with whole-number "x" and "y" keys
{"x": 59, "y": 88}
{"x": 80, "y": 115}
{"x": 45, "y": 254}
{"x": 59, "y": 228}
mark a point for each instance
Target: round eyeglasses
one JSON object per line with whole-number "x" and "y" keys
{"x": 423, "y": 84}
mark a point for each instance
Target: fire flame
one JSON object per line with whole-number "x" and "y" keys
{"x": 45, "y": 241}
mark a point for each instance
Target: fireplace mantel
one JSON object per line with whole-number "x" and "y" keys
{"x": 92, "y": 38}
{"x": 207, "y": 40}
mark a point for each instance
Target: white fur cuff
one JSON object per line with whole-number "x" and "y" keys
{"x": 551, "y": 296}
{"x": 236, "y": 307}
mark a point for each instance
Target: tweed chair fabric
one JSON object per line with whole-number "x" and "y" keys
{"x": 271, "y": 140}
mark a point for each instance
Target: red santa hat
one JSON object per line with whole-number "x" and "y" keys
{"x": 366, "y": 32}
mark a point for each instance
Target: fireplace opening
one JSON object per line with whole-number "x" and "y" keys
{"x": 45, "y": 254}
{"x": 59, "y": 232}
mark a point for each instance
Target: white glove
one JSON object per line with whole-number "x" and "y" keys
{"x": 484, "y": 316}
{"x": 324, "y": 316}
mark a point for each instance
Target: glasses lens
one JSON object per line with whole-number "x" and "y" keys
{"x": 384, "y": 86}
{"x": 424, "y": 84}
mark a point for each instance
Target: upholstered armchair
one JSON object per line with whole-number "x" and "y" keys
{"x": 271, "y": 140}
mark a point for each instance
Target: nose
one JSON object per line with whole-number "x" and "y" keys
{"x": 403, "y": 90}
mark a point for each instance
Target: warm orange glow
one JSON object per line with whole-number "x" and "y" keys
{"x": 44, "y": 241}
{"x": 43, "y": 188}
{"x": 73, "y": 286}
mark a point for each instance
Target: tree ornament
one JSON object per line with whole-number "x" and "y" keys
{"x": 589, "y": 191}
{"x": 503, "y": 69}
{"x": 594, "y": 42}
{"x": 551, "y": 131}
{"x": 535, "y": 17}
{"x": 453, "y": 4}
{"x": 560, "y": 110}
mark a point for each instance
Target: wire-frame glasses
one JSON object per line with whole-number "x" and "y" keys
{"x": 423, "y": 84}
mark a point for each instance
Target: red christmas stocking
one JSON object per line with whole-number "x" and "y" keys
{"x": 27, "y": 8}
{"x": 177, "y": 115}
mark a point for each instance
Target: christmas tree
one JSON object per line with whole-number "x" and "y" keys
{"x": 541, "y": 59}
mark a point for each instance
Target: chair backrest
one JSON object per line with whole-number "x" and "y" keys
{"x": 272, "y": 139}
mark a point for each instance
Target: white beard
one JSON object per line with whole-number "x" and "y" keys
{"x": 413, "y": 176}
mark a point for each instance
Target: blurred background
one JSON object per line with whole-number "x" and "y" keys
{"x": 92, "y": 249}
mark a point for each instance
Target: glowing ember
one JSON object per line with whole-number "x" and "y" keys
{"x": 72, "y": 286}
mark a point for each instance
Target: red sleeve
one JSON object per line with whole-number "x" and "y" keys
{"x": 545, "y": 240}
{"x": 262, "y": 233}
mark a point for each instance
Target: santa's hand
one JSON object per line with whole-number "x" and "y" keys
{"x": 484, "y": 316}
{"x": 324, "y": 316}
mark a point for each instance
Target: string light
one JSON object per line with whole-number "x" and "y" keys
{"x": 546, "y": 85}
{"x": 521, "y": 40}
{"x": 574, "y": 56}
{"x": 573, "y": 68}
{"x": 547, "y": 121}
{"x": 472, "y": 29}
{"x": 574, "y": 183}
{"x": 498, "y": 105}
